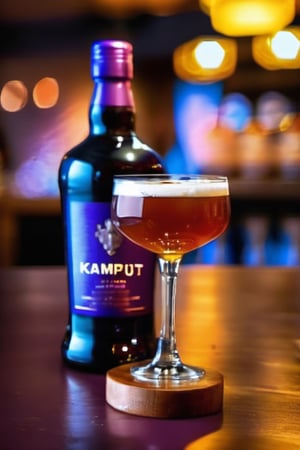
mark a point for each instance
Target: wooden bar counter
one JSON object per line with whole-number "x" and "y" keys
{"x": 242, "y": 322}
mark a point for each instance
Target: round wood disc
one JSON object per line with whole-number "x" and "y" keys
{"x": 164, "y": 399}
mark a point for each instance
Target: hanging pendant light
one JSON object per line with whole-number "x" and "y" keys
{"x": 206, "y": 58}
{"x": 251, "y": 17}
{"x": 279, "y": 50}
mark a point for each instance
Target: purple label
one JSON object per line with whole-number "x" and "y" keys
{"x": 110, "y": 276}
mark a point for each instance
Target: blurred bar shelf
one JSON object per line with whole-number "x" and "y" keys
{"x": 274, "y": 197}
{"x": 22, "y": 205}
{"x": 11, "y": 209}
{"x": 275, "y": 189}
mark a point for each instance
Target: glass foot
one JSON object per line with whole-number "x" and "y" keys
{"x": 152, "y": 372}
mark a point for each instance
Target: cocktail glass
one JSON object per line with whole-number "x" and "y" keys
{"x": 170, "y": 215}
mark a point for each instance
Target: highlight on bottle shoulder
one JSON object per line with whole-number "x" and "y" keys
{"x": 171, "y": 216}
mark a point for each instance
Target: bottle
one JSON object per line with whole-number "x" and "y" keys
{"x": 110, "y": 279}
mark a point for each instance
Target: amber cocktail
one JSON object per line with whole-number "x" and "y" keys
{"x": 170, "y": 215}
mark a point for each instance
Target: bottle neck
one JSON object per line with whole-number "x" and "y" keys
{"x": 112, "y": 109}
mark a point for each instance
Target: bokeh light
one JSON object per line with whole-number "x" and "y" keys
{"x": 14, "y": 96}
{"x": 285, "y": 45}
{"x": 46, "y": 92}
{"x": 209, "y": 54}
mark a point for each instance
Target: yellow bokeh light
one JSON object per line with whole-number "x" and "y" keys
{"x": 285, "y": 45}
{"x": 205, "y": 5}
{"x": 205, "y": 59}
{"x": 209, "y": 54}
{"x": 279, "y": 50}
{"x": 251, "y": 17}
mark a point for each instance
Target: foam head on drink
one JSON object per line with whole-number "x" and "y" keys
{"x": 172, "y": 188}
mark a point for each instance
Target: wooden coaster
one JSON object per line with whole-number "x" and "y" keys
{"x": 164, "y": 399}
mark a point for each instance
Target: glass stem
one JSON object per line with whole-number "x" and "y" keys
{"x": 167, "y": 355}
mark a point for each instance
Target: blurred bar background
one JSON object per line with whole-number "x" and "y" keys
{"x": 246, "y": 125}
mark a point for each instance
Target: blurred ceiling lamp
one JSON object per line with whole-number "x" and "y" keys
{"x": 251, "y": 17}
{"x": 205, "y": 5}
{"x": 280, "y": 50}
{"x": 205, "y": 59}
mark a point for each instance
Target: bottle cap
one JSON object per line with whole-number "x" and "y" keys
{"x": 112, "y": 59}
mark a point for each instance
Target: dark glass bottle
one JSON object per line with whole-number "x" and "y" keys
{"x": 110, "y": 279}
